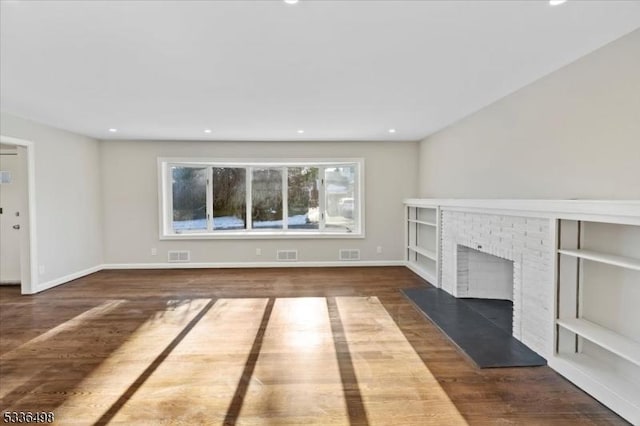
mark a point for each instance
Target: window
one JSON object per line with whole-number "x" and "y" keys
{"x": 218, "y": 199}
{"x": 340, "y": 196}
{"x": 266, "y": 198}
{"x": 302, "y": 198}
{"x": 189, "y": 188}
{"x": 229, "y": 195}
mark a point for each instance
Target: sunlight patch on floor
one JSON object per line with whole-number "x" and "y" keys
{"x": 103, "y": 387}
{"x": 309, "y": 360}
{"x": 197, "y": 381}
{"x": 391, "y": 376}
{"x": 296, "y": 379}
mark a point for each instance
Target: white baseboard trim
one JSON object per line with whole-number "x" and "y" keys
{"x": 65, "y": 279}
{"x": 219, "y": 265}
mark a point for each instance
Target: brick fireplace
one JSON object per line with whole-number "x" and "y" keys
{"x": 503, "y": 257}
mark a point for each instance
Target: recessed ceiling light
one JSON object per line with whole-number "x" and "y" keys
{"x": 301, "y": 131}
{"x": 113, "y": 130}
{"x": 556, "y": 2}
{"x": 291, "y": 1}
{"x": 207, "y": 130}
{"x": 392, "y": 130}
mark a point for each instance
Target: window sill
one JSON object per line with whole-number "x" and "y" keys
{"x": 262, "y": 235}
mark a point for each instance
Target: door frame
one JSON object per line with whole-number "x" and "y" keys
{"x": 28, "y": 241}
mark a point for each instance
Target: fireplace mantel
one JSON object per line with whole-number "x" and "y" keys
{"x": 624, "y": 211}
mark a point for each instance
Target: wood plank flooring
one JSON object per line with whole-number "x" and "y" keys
{"x": 262, "y": 346}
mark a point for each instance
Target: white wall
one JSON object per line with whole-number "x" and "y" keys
{"x": 572, "y": 134}
{"x": 69, "y": 213}
{"x": 130, "y": 200}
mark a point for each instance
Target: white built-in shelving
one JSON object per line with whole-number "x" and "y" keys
{"x": 421, "y": 240}
{"x": 598, "y": 332}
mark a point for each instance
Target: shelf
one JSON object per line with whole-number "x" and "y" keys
{"x": 426, "y": 273}
{"x": 421, "y": 231}
{"x": 424, "y": 252}
{"x": 608, "y": 339}
{"x": 610, "y": 259}
{"x": 422, "y": 222}
{"x": 608, "y": 384}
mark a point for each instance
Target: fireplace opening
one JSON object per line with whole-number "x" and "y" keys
{"x": 485, "y": 284}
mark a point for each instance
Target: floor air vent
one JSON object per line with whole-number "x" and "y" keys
{"x": 179, "y": 256}
{"x": 287, "y": 255}
{"x": 349, "y": 254}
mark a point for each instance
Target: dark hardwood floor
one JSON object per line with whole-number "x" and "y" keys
{"x": 258, "y": 346}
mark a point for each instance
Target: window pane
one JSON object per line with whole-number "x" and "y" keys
{"x": 302, "y": 197}
{"x": 266, "y": 198}
{"x": 341, "y": 207}
{"x": 229, "y": 198}
{"x": 189, "y": 198}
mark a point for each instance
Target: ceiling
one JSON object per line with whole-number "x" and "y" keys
{"x": 263, "y": 70}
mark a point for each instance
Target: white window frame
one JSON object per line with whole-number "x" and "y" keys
{"x": 165, "y": 199}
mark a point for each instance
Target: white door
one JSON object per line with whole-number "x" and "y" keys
{"x": 11, "y": 197}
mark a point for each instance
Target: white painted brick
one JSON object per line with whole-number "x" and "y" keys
{"x": 525, "y": 241}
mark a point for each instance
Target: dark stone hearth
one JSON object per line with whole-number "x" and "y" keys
{"x": 481, "y": 328}
{"x": 499, "y": 312}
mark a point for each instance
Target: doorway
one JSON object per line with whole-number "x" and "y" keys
{"x": 17, "y": 214}
{"x": 12, "y": 189}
